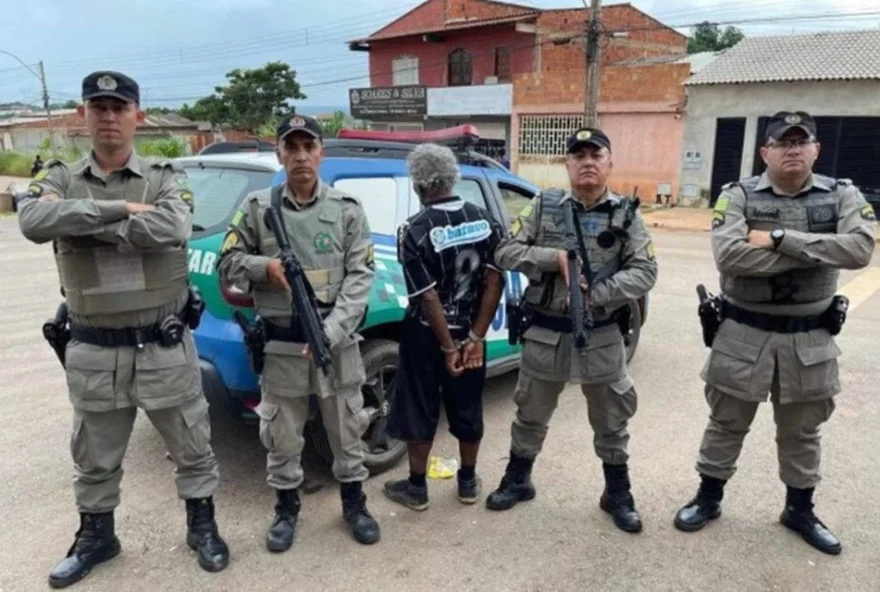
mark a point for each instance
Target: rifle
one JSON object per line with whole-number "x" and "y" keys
{"x": 579, "y": 303}
{"x": 57, "y": 333}
{"x": 709, "y": 312}
{"x": 304, "y": 303}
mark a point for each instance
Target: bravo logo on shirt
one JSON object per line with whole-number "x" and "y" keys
{"x": 444, "y": 237}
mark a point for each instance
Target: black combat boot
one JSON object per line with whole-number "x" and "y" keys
{"x": 798, "y": 516}
{"x": 94, "y": 543}
{"x": 203, "y": 536}
{"x": 516, "y": 484}
{"x": 617, "y": 499}
{"x": 281, "y": 533}
{"x": 354, "y": 509}
{"x": 704, "y": 507}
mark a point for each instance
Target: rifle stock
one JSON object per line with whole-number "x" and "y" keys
{"x": 304, "y": 304}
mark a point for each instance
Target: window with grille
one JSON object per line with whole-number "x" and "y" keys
{"x": 459, "y": 68}
{"x": 502, "y": 64}
{"x": 545, "y": 135}
{"x": 405, "y": 70}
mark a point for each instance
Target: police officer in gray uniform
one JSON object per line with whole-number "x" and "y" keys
{"x": 119, "y": 224}
{"x": 331, "y": 238}
{"x": 779, "y": 241}
{"x": 621, "y": 257}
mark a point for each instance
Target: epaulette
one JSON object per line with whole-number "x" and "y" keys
{"x": 166, "y": 163}
{"x": 845, "y": 182}
{"x": 730, "y": 185}
{"x": 552, "y": 197}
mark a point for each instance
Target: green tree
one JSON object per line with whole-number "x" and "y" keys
{"x": 251, "y": 98}
{"x": 708, "y": 37}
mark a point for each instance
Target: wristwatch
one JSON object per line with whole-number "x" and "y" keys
{"x": 777, "y": 234}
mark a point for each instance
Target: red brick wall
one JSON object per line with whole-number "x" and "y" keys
{"x": 470, "y": 9}
{"x": 481, "y": 43}
{"x": 561, "y": 77}
{"x": 434, "y": 14}
{"x": 424, "y": 16}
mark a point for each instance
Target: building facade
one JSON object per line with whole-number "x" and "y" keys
{"x": 519, "y": 75}
{"x": 729, "y": 102}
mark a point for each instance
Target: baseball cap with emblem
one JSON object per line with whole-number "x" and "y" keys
{"x": 300, "y": 123}
{"x": 786, "y": 120}
{"x": 587, "y": 135}
{"x": 105, "y": 83}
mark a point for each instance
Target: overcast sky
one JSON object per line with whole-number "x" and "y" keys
{"x": 180, "y": 49}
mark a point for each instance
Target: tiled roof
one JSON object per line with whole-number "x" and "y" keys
{"x": 844, "y": 55}
{"x": 452, "y": 26}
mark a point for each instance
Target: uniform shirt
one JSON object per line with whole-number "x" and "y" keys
{"x": 447, "y": 246}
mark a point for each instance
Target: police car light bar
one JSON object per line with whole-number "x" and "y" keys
{"x": 457, "y": 134}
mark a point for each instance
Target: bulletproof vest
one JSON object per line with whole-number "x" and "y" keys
{"x": 815, "y": 212}
{"x": 98, "y": 279}
{"x": 605, "y": 231}
{"x": 317, "y": 237}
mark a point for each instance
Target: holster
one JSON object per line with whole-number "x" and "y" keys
{"x": 57, "y": 332}
{"x": 195, "y": 306}
{"x": 518, "y": 320}
{"x": 835, "y": 316}
{"x": 624, "y": 322}
{"x": 254, "y": 340}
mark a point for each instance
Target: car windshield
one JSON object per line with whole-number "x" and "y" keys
{"x": 218, "y": 191}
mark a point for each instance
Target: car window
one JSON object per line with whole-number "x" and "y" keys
{"x": 378, "y": 195}
{"x": 515, "y": 199}
{"x": 471, "y": 191}
{"x": 217, "y": 193}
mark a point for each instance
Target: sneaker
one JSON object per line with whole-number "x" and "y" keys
{"x": 469, "y": 490}
{"x": 405, "y": 493}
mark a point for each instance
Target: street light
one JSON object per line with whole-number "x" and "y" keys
{"x": 42, "y": 78}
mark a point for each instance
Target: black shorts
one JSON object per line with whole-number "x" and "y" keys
{"x": 422, "y": 383}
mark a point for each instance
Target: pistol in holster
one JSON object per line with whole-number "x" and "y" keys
{"x": 835, "y": 315}
{"x": 57, "y": 332}
{"x": 518, "y": 319}
{"x": 624, "y": 322}
{"x": 195, "y": 306}
{"x": 254, "y": 340}
{"x": 710, "y": 313}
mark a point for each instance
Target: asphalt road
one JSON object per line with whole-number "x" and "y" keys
{"x": 559, "y": 541}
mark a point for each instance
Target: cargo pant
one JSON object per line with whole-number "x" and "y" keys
{"x": 800, "y": 373}
{"x": 287, "y": 381}
{"x": 548, "y": 364}
{"x": 107, "y": 386}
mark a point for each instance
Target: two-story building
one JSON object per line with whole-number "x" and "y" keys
{"x": 519, "y": 74}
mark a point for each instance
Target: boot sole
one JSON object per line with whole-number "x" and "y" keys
{"x": 278, "y": 548}
{"x": 827, "y": 550}
{"x": 501, "y": 507}
{"x": 405, "y": 502}
{"x": 685, "y": 527}
{"x": 65, "y": 582}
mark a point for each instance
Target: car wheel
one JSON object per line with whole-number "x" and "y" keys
{"x": 381, "y": 452}
{"x": 632, "y": 341}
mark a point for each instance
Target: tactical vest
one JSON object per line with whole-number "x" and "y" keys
{"x": 815, "y": 212}
{"x": 605, "y": 232}
{"x": 317, "y": 237}
{"x": 98, "y": 279}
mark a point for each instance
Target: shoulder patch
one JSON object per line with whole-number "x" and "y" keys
{"x": 230, "y": 241}
{"x": 867, "y": 212}
{"x": 44, "y": 172}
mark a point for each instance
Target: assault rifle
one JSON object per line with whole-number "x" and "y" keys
{"x": 579, "y": 303}
{"x": 304, "y": 303}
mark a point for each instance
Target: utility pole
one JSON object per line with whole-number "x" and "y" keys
{"x": 48, "y": 109}
{"x": 591, "y": 86}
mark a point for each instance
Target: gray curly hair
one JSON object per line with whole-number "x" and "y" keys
{"x": 433, "y": 167}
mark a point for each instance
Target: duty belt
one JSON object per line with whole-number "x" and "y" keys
{"x": 772, "y": 323}
{"x": 276, "y": 333}
{"x": 168, "y": 333}
{"x": 563, "y": 324}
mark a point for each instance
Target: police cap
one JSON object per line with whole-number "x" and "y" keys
{"x": 105, "y": 83}
{"x": 587, "y": 135}
{"x": 300, "y": 123}
{"x": 786, "y": 120}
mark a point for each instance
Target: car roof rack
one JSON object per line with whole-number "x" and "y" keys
{"x": 397, "y": 145}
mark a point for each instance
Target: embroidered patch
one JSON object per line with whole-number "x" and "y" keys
{"x": 230, "y": 241}
{"x": 35, "y": 190}
{"x": 649, "y": 250}
{"x": 722, "y": 203}
{"x": 236, "y": 219}
{"x": 718, "y": 219}
{"x": 44, "y": 172}
{"x": 867, "y": 212}
{"x": 444, "y": 237}
{"x": 822, "y": 219}
{"x": 323, "y": 242}
{"x": 516, "y": 227}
